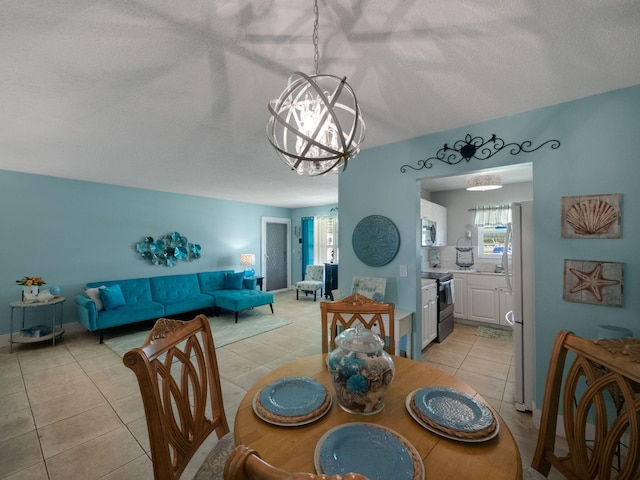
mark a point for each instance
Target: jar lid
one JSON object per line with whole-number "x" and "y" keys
{"x": 359, "y": 339}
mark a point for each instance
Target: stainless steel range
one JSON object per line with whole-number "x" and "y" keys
{"x": 445, "y": 302}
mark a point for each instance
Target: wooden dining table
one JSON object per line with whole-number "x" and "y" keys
{"x": 292, "y": 448}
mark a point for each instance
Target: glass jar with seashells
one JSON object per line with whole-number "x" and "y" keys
{"x": 361, "y": 371}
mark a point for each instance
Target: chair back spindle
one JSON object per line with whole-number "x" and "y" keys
{"x": 179, "y": 382}
{"x": 355, "y": 308}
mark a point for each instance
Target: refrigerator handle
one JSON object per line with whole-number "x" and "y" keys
{"x": 509, "y": 318}
{"x": 505, "y": 257}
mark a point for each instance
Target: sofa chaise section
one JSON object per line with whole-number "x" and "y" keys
{"x": 232, "y": 291}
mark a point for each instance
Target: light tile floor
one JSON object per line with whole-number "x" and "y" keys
{"x": 74, "y": 411}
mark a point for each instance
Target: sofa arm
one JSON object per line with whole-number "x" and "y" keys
{"x": 87, "y": 312}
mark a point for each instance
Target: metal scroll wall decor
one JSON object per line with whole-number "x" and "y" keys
{"x": 167, "y": 250}
{"x": 478, "y": 148}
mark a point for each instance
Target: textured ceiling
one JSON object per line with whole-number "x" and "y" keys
{"x": 172, "y": 95}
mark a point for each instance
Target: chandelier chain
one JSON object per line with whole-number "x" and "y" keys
{"x": 316, "y": 54}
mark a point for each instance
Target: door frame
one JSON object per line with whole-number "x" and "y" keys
{"x": 263, "y": 242}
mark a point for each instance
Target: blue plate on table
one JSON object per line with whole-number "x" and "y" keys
{"x": 292, "y": 397}
{"x": 454, "y": 410}
{"x": 368, "y": 449}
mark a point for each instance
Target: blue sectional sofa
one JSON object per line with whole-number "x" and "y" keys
{"x": 120, "y": 302}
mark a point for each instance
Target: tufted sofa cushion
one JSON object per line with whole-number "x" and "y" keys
{"x": 210, "y": 282}
{"x": 179, "y": 293}
{"x": 138, "y": 305}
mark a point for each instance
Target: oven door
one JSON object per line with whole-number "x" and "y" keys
{"x": 445, "y": 294}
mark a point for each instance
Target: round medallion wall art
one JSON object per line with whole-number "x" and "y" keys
{"x": 375, "y": 240}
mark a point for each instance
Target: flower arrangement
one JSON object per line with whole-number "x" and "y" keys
{"x": 29, "y": 281}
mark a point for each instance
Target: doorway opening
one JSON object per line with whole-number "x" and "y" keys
{"x": 276, "y": 253}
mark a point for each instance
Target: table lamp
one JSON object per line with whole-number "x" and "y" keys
{"x": 248, "y": 260}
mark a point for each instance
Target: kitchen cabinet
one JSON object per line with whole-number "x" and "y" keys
{"x": 482, "y": 297}
{"x": 438, "y": 214}
{"x": 459, "y": 295}
{"x": 429, "y": 313}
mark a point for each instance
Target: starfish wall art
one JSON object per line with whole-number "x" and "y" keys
{"x": 598, "y": 283}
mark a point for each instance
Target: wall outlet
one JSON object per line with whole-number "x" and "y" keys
{"x": 403, "y": 270}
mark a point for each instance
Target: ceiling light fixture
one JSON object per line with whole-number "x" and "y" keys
{"x": 316, "y": 125}
{"x": 483, "y": 182}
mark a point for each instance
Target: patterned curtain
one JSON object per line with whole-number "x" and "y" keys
{"x": 492, "y": 215}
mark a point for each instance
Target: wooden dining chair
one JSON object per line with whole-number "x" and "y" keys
{"x": 178, "y": 376}
{"x": 245, "y": 464}
{"x": 344, "y": 314}
{"x": 597, "y": 397}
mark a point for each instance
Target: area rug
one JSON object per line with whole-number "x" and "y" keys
{"x": 224, "y": 329}
{"x": 495, "y": 333}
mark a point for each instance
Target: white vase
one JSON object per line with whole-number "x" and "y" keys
{"x": 29, "y": 290}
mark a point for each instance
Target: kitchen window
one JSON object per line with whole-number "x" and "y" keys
{"x": 491, "y": 241}
{"x": 491, "y": 221}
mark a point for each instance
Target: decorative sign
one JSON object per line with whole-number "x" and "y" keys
{"x": 598, "y": 283}
{"x": 370, "y": 287}
{"x": 375, "y": 240}
{"x": 591, "y": 216}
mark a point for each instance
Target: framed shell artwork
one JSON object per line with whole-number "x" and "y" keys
{"x": 591, "y": 216}
{"x": 597, "y": 283}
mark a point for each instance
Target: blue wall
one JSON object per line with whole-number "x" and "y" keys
{"x": 71, "y": 232}
{"x": 598, "y": 155}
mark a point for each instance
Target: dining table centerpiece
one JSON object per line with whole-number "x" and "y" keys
{"x": 30, "y": 285}
{"x": 361, "y": 370}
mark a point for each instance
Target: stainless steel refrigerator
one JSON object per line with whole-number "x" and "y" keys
{"x": 519, "y": 275}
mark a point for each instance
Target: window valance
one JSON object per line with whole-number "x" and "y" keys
{"x": 492, "y": 215}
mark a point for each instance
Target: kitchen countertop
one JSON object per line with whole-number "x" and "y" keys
{"x": 454, "y": 271}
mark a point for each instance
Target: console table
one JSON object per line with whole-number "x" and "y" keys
{"x": 330, "y": 279}
{"x": 55, "y": 331}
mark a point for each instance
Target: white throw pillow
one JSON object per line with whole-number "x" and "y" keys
{"x": 94, "y": 294}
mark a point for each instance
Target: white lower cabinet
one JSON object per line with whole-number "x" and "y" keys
{"x": 429, "y": 313}
{"x": 485, "y": 298}
{"x": 459, "y": 295}
{"x": 482, "y": 302}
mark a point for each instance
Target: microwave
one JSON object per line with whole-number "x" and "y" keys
{"x": 428, "y": 232}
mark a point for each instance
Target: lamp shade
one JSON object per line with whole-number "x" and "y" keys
{"x": 480, "y": 183}
{"x": 247, "y": 259}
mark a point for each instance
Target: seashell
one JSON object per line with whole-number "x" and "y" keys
{"x": 591, "y": 217}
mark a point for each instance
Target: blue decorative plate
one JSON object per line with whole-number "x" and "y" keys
{"x": 375, "y": 240}
{"x": 368, "y": 449}
{"x": 293, "y": 396}
{"x": 452, "y": 409}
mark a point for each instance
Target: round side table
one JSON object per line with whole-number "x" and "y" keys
{"x": 55, "y": 331}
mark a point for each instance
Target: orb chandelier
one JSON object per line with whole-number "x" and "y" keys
{"x": 316, "y": 125}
